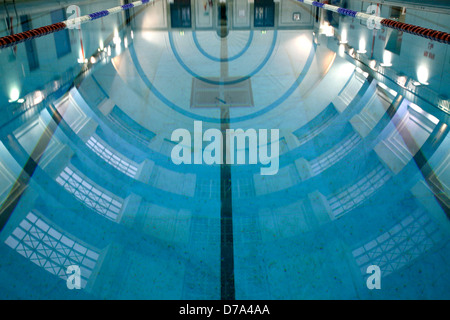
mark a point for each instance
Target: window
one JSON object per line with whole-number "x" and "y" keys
{"x": 314, "y": 127}
{"x": 264, "y": 13}
{"x": 130, "y": 127}
{"x": 259, "y": 13}
{"x": 51, "y": 249}
{"x": 101, "y": 149}
{"x": 352, "y": 197}
{"x": 403, "y": 243}
{"x": 180, "y": 14}
{"x": 90, "y": 196}
{"x": 335, "y": 154}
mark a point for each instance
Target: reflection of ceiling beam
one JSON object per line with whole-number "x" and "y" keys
{"x": 439, "y": 6}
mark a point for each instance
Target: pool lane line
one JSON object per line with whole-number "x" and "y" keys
{"x": 14, "y": 39}
{"x": 227, "y": 283}
{"x": 431, "y": 34}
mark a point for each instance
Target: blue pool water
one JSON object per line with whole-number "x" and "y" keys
{"x": 89, "y": 179}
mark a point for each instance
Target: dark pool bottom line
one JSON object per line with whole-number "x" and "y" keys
{"x": 227, "y": 291}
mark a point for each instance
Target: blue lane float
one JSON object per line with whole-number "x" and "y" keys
{"x": 14, "y": 39}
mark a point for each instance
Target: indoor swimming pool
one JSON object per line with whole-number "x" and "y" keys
{"x": 224, "y": 150}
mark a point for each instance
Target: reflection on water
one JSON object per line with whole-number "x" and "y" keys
{"x": 87, "y": 176}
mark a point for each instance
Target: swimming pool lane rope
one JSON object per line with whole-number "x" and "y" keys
{"x": 431, "y": 34}
{"x": 14, "y": 39}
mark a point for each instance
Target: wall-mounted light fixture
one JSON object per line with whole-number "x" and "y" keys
{"x": 362, "y": 46}
{"x": 387, "y": 59}
{"x": 341, "y": 50}
{"x": 14, "y": 95}
{"x": 343, "y": 37}
{"x": 422, "y": 75}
